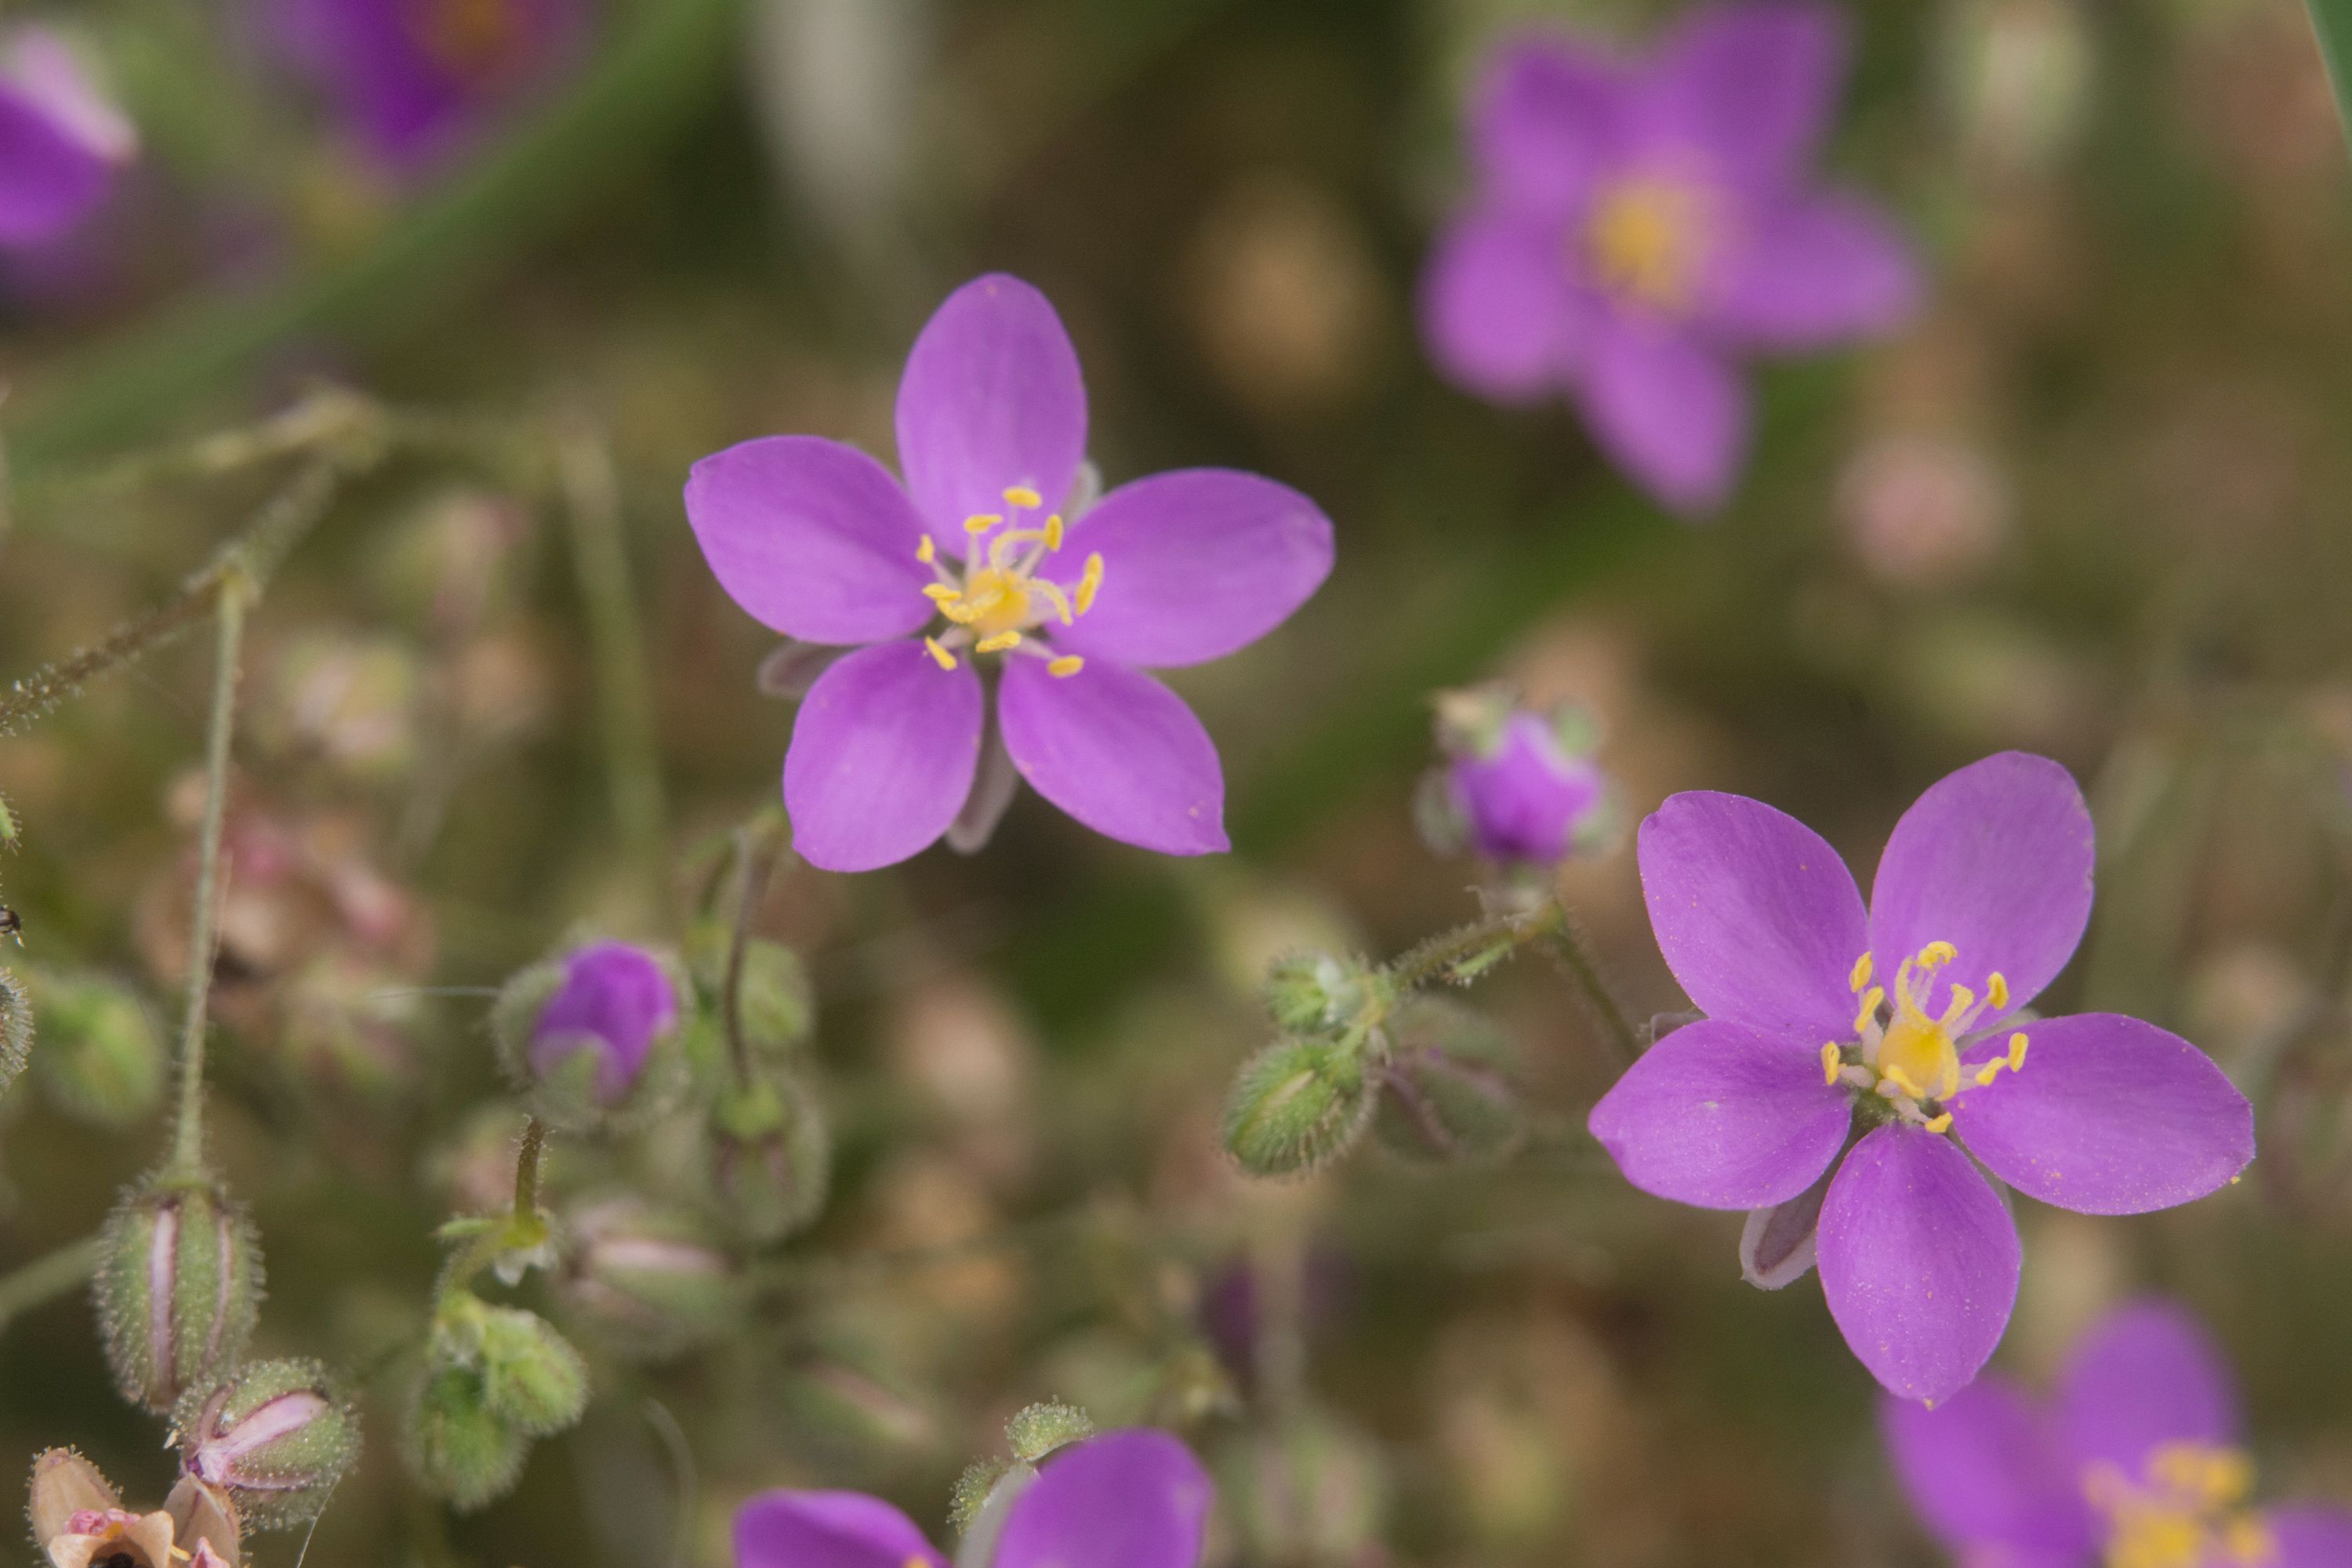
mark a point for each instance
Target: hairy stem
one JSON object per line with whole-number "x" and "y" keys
{"x": 1569, "y": 947}
{"x": 755, "y": 860}
{"x": 592, "y": 500}
{"x": 188, "y": 1139}
{"x": 526, "y": 1190}
{"x": 1459, "y": 956}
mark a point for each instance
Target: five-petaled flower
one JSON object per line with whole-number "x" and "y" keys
{"x": 61, "y": 141}
{"x": 1135, "y": 1499}
{"x": 1635, "y": 230}
{"x": 984, "y": 557}
{"x": 2139, "y": 1462}
{"x": 1860, "y": 1066}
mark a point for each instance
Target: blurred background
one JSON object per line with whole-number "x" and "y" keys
{"x": 2090, "y": 503}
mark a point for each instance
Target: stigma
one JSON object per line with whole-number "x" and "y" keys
{"x": 1909, "y": 1057}
{"x": 1648, "y": 239}
{"x": 2186, "y": 1510}
{"x": 1000, "y": 601}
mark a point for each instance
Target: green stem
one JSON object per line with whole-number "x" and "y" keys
{"x": 592, "y": 498}
{"x": 754, "y": 859}
{"x": 1570, "y": 949}
{"x": 1459, "y": 956}
{"x": 526, "y": 1190}
{"x": 46, "y": 1279}
{"x": 188, "y": 1141}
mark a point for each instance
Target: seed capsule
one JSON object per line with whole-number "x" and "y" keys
{"x": 275, "y": 1436}
{"x": 178, "y": 1286}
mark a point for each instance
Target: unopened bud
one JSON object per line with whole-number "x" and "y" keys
{"x": 647, "y": 1279}
{"x": 592, "y": 1038}
{"x": 771, "y": 1156}
{"x": 66, "y": 1484}
{"x": 460, "y": 1450}
{"x": 1310, "y": 1490}
{"x": 1312, "y": 993}
{"x": 1446, "y": 1089}
{"x": 1039, "y": 1429}
{"x": 16, "y": 1028}
{"x": 102, "y": 1058}
{"x": 1518, "y": 788}
{"x": 1296, "y": 1105}
{"x": 275, "y": 1436}
{"x": 178, "y": 1288}
{"x": 532, "y": 1378}
{"x": 774, "y": 1003}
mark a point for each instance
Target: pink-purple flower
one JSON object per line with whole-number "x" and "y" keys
{"x": 1639, "y": 229}
{"x": 1518, "y": 788}
{"x": 613, "y": 1003}
{"x": 987, "y": 557}
{"x": 61, "y": 141}
{"x": 1133, "y": 1498}
{"x": 2138, "y": 1462}
{"x": 1860, "y": 1066}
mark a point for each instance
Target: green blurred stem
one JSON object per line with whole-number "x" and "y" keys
{"x": 2331, "y": 21}
{"x": 188, "y": 1139}
{"x": 1458, "y": 957}
{"x": 591, "y": 504}
{"x": 756, "y": 852}
{"x": 46, "y": 1278}
{"x": 534, "y": 1143}
{"x": 1569, "y": 946}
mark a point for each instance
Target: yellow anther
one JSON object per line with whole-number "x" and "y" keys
{"x": 1962, "y": 1000}
{"x": 1830, "y": 1062}
{"x": 926, "y": 552}
{"x": 940, "y": 655}
{"x": 980, "y": 522}
{"x": 1090, "y": 583}
{"x": 998, "y": 643}
{"x": 1054, "y": 596}
{"x": 942, "y": 592}
{"x": 1869, "y": 1012}
{"x": 1938, "y": 1123}
{"x": 2016, "y": 1053}
{"x": 1054, "y": 531}
{"x": 1860, "y": 975}
{"x": 1996, "y": 991}
{"x": 1937, "y": 954}
{"x": 1021, "y": 495}
{"x": 1070, "y": 664}
{"x": 1989, "y": 1072}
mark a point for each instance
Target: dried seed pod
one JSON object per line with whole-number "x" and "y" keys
{"x": 178, "y": 1288}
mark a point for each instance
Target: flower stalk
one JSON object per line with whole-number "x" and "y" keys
{"x": 188, "y": 1136}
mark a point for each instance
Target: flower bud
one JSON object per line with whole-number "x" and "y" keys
{"x": 770, "y": 1157}
{"x": 66, "y": 1484}
{"x": 1518, "y": 788}
{"x": 1314, "y": 993}
{"x": 591, "y": 1036}
{"x": 204, "y": 1521}
{"x": 102, "y": 1058}
{"x": 16, "y": 1028}
{"x": 460, "y": 1450}
{"x": 1039, "y": 1429}
{"x": 1296, "y": 1105}
{"x": 772, "y": 999}
{"x": 178, "y": 1286}
{"x": 1446, "y": 1090}
{"x": 647, "y": 1279}
{"x": 531, "y": 1378}
{"x": 275, "y": 1436}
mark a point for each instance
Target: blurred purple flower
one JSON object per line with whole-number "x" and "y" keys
{"x": 1518, "y": 788}
{"x": 61, "y": 142}
{"x": 815, "y": 539}
{"x": 1135, "y": 1499}
{"x": 2139, "y": 1462}
{"x": 417, "y": 80}
{"x": 615, "y": 1000}
{"x": 1896, "y": 1039}
{"x": 1637, "y": 229}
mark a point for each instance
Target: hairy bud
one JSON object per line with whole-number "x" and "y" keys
{"x": 16, "y": 1029}
{"x": 646, "y": 1279}
{"x": 1446, "y": 1089}
{"x": 1314, "y": 992}
{"x": 592, "y": 1038}
{"x": 532, "y": 1378}
{"x": 275, "y": 1436}
{"x": 459, "y": 1449}
{"x": 1296, "y": 1105}
{"x": 178, "y": 1288}
{"x": 971, "y": 1490}
{"x": 102, "y": 1058}
{"x": 773, "y": 1005}
{"x": 1039, "y": 1429}
{"x": 771, "y": 1156}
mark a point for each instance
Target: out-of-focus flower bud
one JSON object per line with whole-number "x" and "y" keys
{"x": 531, "y": 1378}
{"x": 1039, "y": 1429}
{"x": 1518, "y": 788}
{"x": 647, "y": 1280}
{"x": 460, "y": 1450}
{"x": 1312, "y": 1491}
{"x": 1446, "y": 1089}
{"x": 591, "y": 1036}
{"x": 2018, "y": 76}
{"x": 1297, "y": 1105}
{"x": 16, "y": 1029}
{"x": 771, "y": 1156}
{"x": 775, "y": 1008}
{"x": 1316, "y": 993}
{"x": 178, "y": 1286}
{"x": 971, "y": 1492}
{"x": 275, "y": 1436}
{"x": 102, "y": 1059}
{"x": 350, "y": 702}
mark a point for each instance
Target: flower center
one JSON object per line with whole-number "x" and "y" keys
{"x": 1648, "y": 239}
{"x": 475, "y": 38}
{"x": 2187, "y": 1511}
{"x": 1000, "y": 599}
{"x": 1908, "y": 1057}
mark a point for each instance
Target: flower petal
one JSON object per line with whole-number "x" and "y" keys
{"x": 827, "y": 1529}
{"x": 1756, "y": 914}
{"x": 1724, "y": 1117}
{"x": 1664, "y": 408}
{"x": 49, "y": 180}
{"x": 812, "y": 538}
{"x": 1984, "y": 1470}
{"x": 1117, "y": 751}
{"x": 1995, "y": 859}
{"x": 1776, "y": 1244}
{"x": 1543, "y": 122}
{"x": 1753, "y": 84}
{"x": 1918, "y": 1262}
{"x": 992, "y": 399}
{"x": 2148, "y": 1374}
{"x": 882, "y": 757}
{"x": 1135, "y": 1499}
{"x": 2109, "y": 1115}
{"x": 1498, "y": 311}
{"x": 2308, "y": 1537}
{"x": 1815, "y": 270}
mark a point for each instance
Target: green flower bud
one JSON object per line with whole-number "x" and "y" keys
{"x": 178, "y": 1288}
{"x": 1446, "y": 1089}
{"x": 647, "y": 1280}
{"x": 775, "y": 1006}
{"x": 16, "y": 1028}
{"x": 1296, "y": 1105}
{"x": 531, "y": 1378}
{"x": 460, "y": 1450}
{"x": 770, "y": 1157}
{"x": 102, "y": 1058}
{"x": 1314, "y": 992}
{"x": 1039, "y": 1429}
{"x": 275, "y": 1436}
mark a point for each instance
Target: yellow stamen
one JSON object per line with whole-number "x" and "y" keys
{"x": 926, "y": 552}
{"x": 1937, "y": 954}
{"x": 940, "y": 655}
{"x": 1830, "y": 1062}
{"x": 980, "y": 522}
{"x": 2016, "y": 1053}
{"x": 1860, "y": 975}
{"x": 1054, "y": 531}
{"x": 1996, "y": 991}
{"x": 1902, "y": 1080}
{"x": 1068, "y": 665}
{"x": 1021, "y": 495}
{"x": 1090, "y": 583}
{"x": 998, "y": 643}
{"x": 1939, "y": 1124}
{"x": 943, "y": 592}
{"x": 1869, "y": 1012}
{"x": 1053, "y": 593}
{"x": 1989, "y": 1072}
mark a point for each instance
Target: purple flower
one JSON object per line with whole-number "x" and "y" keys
{"x": 2139, "y": 1462}
{"x": 1520, "y": 788}
{"x": 1636, "y": 231}
{"x": 418, "y": 79}
{"x": 893, "y": 743}
{"x": 61, "y": 142}
{"x": 1863, "y": 1065}
{"x": 614, "y": 1001}
{"x": 1135, "y": 1499}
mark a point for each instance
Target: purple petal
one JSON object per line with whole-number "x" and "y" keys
{"x": 882, "y": 757}
{"x": 992, "y": 400}
{"x": 1776, "y": 1244}
{"x": 1497, "y": 311}
{"x": 1813, "y": 271}
{"x": 1544, "y": 122}
{"x": 1995, "y": 859}
{"x": 1918, "y": 1262}
{"x": 2307, "y": 1537}
{"x": 1527, "y": 800}
{"x": 1724, "y": 1117}
{"x": 1195, "y": 564}
{"x": 1756, "y": 914}
{"x": 615, "y": 1000}
{"x": 812, "y": 538}
{"x": 1117, "y": 751}
{"x": 1135, "y": 1499}
{"x": 1984, "y": 1470}
{"x": 827, "y": 1529}
{"x": 2109, "y": 1115}
{"x": 1752, "y": 84}
{"x": 1664, "y": 408}
{"x": 2148, "y": 1374}
{"x": 49, "y": 181}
